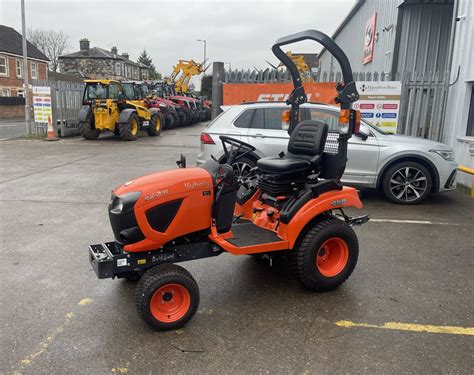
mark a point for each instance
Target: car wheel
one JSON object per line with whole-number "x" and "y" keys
{"x": 242, "y": 167}
{"x": 407, "y": 182}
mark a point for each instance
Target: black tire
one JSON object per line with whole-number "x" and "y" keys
{"x": 126, "y": 128}
{"x": 181, "y": 117}
{"x": 169, "y": 121}
{"x": 305, "y": 257}
{"x": 88, "y": 129}
{"x": 407, "y": 182}
{"x": 208, "y": 114}
{"x": 189, "y": 117}
{"x": 163, "y": 277}
{"x": 155, "y": 126}
{"x": 243, "y": 165}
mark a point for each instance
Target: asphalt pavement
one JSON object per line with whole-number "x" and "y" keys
{"x": 414, "y": 278}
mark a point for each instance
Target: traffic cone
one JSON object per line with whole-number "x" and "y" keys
{"x": 51, "y": 134}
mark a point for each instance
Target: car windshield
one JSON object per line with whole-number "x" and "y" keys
{"x": 96, "y": 91}
{"x": 375, "y": 128}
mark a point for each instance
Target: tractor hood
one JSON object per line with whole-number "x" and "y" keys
{"x": 166, "y": 184}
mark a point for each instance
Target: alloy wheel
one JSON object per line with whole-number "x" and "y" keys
{"x": 408, "y": 184}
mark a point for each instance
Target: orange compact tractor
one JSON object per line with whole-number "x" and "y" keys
{"x": 292, "y": 205}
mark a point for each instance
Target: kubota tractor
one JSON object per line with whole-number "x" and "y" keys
{"x": 105, "y": 107}
{"x": 292, "y": 205}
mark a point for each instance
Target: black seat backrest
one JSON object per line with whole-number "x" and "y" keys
{"x": 308, "y": 138}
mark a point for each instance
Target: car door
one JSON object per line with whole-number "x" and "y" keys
{"x": 266, "y": 133}
{"x": 362, "y": 152}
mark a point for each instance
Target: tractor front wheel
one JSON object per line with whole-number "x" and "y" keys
{"x": 167, "y": 297}
{"x": 325, "y": 256}
{"x": 88, "y": 129}
{"x": 129, "y": 130}
{"x": 154, "y": 128}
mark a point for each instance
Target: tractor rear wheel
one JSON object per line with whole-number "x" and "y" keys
{"x": 167, "y": 297}
{"x": 182, "y": 118}
{"x": 154, "y": 128}
{"x": 129, "y": 130}
{"x": 325, "y": 256}
{"x": 88, "y": 129}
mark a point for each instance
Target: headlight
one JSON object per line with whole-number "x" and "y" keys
{"x": 445, "y": 154}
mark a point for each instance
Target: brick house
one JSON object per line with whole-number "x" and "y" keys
{"x": 11, "y": 63}
{"x": 98, "y": 63}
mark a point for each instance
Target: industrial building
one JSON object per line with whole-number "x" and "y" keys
{"x": 428, "y": 46}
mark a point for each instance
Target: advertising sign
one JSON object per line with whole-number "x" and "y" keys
{"x": 369, "y": 39}
{"x": 236, "y": 93}
{"x": 379, "y": 103}
{"x": 42, "y": 104}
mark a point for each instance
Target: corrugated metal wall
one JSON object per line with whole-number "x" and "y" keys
{"x": 351, "y": 38}
{"x": 424, "y": 37}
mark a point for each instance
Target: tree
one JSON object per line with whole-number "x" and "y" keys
{"x": 206, "y": 86}
{"x": 52, "y": 43}
{"x": 146, "y": 60}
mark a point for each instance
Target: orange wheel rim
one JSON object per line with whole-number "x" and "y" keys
{"x": 332, "y": 257}
{"x": 170, "y": 303}
{"x": 134, "y": 128}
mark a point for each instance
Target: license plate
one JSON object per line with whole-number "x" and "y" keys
{"x": 146, "y": 123}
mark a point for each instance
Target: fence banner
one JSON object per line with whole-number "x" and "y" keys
{"x": 42, "y": 104}
{"x": 379, "y": 103}
{"x": 236, "y": 93}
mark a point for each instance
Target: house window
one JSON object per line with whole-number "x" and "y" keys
{"x": 5, "y": 92}
{"x": 20, "y": 93}
{"x": 3, "y": 66}
{"x": 118, "y": 69}
{"x": 19, "y": 68}
{"x": 34, "y": 70}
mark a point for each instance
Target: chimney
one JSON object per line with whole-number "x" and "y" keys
{"x": 84, "y": 44}
{"x": 125, "y": 55}
{"x": 114, "y": 50}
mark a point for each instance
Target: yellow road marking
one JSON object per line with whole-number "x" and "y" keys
{"x": 43, "y": 346}
{"x": 450, "y": 330}
{"x": 85, "y": 301}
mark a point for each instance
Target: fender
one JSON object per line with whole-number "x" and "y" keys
{"x": 125, "y": 114}
{"x": 83, "y": 113}
{"x": 347, "y": 197}
{"x": 154, "y": 110}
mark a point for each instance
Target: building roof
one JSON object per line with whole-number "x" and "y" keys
{"x": 99, "y": 53}
{"x": 64, "y": 77}
{"x": 11, "y": 41}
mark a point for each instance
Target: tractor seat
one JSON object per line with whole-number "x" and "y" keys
{"x": 305, "y": 150}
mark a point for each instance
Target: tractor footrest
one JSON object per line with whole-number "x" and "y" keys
{"x": 106, "y": 258}
{"x": 358, "y": 220}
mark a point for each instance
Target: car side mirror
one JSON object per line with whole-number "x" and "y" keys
{"x": 363, "y": 136}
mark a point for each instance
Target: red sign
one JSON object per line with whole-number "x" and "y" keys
{"x": 236, "y": 93}
{"x": 366, "y": 106}
{"x": 369, "y": 39}
{"x": 390, "y": 106}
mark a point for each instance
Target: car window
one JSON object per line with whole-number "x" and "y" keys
{"x": 257, "y": 121}
{"x": 328, "y": 117}
{"x": 273, "y": 118}
{"x": 243, "y": 121}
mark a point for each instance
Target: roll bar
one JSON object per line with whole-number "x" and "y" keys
{"x": 347, "y": 92}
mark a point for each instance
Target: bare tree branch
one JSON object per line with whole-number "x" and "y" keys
{"x": 52, "y": 43}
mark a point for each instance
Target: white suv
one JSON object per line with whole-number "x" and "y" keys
{"x": 406, "y": 169}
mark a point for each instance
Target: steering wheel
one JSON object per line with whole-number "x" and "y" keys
{"x": 237, "y": 153}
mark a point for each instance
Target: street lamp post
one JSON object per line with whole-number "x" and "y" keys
{"x": 204, "y": 42}
{"x": 25, "y": 69}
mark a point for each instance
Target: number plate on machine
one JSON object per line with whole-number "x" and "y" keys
{"x": 146, "y": 123}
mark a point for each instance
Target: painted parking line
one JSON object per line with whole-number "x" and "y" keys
{"x": 44, "y": 345}
{"x": 408, "y": 221}
{"x": 450, "y": 330}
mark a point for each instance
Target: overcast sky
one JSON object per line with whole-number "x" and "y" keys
{"x": 239, "y": 32}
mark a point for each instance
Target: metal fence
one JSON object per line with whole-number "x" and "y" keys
{"x": 66, "y": 101}
{"x": 423, "y": 97}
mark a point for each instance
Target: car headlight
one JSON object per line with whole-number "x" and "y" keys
{"x": 445, "y": 154}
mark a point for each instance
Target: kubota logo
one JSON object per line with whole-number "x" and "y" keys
{"x": 197, "y": 184}
{"x": 339, "y": 202}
